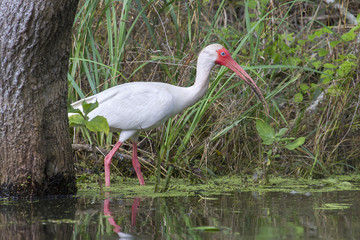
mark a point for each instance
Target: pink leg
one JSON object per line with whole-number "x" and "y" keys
{"x": 108, "y": 213}
{"x": 136, "y": 164}
{"x": 107, "y": 162}
{"x": 134, "y": 209}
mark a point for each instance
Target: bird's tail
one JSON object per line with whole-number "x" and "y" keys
{"x": 78, "y": 104}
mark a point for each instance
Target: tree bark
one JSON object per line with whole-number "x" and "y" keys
{"x": 35, "y": 150}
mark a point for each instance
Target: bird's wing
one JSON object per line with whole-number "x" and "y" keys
{"x": 134, "y": 106}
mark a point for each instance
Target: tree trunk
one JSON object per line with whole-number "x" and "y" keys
{"x": 35, "y": 150}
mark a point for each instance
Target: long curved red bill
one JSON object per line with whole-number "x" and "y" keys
{"x": 225, "y": 59}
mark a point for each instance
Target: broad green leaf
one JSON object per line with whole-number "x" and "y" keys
{"x": 345, "y": 68}
{"x": 98, "y": 124}
{"x": 281, "y": 132}
{"x": 326, "y": 80}
{"x": 349, "y": 36}
{"x": 75, "y": 120}
{"x": 304, "y": 87}
{"x": 287, "y": 37}
{"x": 325, "y": 77}
{"x": 298, "y": 97}
{"x": 329, "y": 72}
{"x": 294, "y": 61}
{"x": 266, "y": 132}
{"x": 295, "y": 144}
{"x": 329, "y": 65}
{"x": 302, "y": 42}
{"x": 316, "y": 64}
{"x": 314, "y": 86}
{"x": 276, "y": 58}
{"x": 315, "y": 34}
{"x": 326, "y": 30}
{"x": 334, "y": 43}
{"x": 322, "y": 51}
{"x": 88, "y": 107}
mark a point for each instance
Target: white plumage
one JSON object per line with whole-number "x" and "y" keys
{"x": 132, "y": 107}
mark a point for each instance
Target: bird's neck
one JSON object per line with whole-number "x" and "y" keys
{"x": 201, "y": 85}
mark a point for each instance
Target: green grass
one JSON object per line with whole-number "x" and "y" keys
{"x": 293, "y": 57}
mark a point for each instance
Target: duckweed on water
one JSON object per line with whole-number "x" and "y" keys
{"x": 221, "y": 186}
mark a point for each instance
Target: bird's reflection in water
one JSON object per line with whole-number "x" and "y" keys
{"x": 117, "y": 228}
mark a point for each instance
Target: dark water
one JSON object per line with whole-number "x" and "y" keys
{"x": 240, "y": 215}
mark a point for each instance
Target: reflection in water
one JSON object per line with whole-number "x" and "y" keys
{"x": 117, "y": 228}
{"x": 239, "y": 215}
{"x": 48, "y": 218}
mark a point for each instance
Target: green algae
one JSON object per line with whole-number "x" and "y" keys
{"x": 333, "y": 206}
{"x": 220, "y": 186}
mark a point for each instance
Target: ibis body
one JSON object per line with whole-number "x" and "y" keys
{"x": 133, "y": 107}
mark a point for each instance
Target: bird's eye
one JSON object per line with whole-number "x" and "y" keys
{"x": 223, "y": 54}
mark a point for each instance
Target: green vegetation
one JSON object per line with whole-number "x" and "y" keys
{"x": 97, "y": 124}
{"x": 304, "y": 55}
{"x": 219, "y": 186}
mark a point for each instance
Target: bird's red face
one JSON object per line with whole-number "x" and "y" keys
{"x": 224, "y": 58}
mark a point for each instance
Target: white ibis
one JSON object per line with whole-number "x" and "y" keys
{"x": 132, "y": 107}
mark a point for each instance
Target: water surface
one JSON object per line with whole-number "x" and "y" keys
{"x": 236, "y": 215}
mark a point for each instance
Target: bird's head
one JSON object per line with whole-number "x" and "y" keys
{"x": 221, "y": 56}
